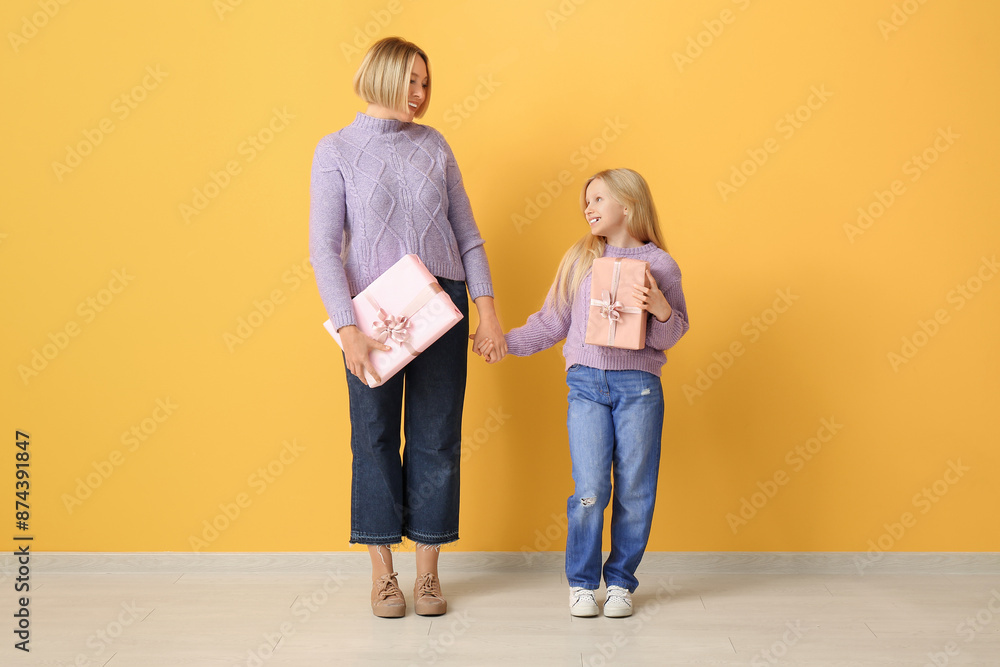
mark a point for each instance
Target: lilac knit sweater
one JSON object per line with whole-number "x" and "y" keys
{"x": 549, "y": 326}
{"x": 382, "y": 189}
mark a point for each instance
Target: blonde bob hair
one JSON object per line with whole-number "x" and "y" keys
{"x": 384, "y": 75}
{"x": 630, "y": 190}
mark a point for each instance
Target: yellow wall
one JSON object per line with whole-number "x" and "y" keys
{"x": 136, "y": 287}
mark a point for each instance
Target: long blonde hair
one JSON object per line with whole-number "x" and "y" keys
{"x": 630, "y": 190}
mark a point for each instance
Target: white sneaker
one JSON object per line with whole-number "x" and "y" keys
{"x": 618, "y": 603}
{"x": 582, "y": 601}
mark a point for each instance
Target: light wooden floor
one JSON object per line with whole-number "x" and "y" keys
{"x": 504, "y": 610}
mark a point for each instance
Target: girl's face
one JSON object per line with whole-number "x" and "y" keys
{"x": 605, "y": 215}
{"x": 415, "y": 92}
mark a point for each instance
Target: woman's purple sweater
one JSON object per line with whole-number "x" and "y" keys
{"x": 382, "y": 189}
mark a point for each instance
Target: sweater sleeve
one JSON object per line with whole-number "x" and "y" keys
{"x": 327, "y": 217}
{"x": 542, "y": 330}
{"x": 463, "y": 224}
{"x": 664, "y": 335}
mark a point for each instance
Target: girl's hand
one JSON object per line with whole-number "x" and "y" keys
{"x": 488, "y": 341}
{"x": 651, "y": 299}
{"x": 356, "y": 348}
{"x": 484, "y": 348}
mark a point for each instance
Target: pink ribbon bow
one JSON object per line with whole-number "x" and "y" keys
{"x": 390, "y": 327}
{"x": 397, "y": 328}
{"x": 611, "y": 310}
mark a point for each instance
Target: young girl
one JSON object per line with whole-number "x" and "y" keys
{"x": 615, "y": 414}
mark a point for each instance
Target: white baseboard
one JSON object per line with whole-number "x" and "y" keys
{"x": 720, "y": 562}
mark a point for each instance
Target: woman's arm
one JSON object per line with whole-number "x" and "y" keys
{"x": 488, "y": 339}
{"x": 327, "y": 216}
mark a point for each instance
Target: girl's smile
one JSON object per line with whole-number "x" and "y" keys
{"x": 606, "y": 216}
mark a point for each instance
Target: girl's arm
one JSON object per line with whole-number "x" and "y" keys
{"x": 542, "y": 330}
{"x": 664, "y": 297}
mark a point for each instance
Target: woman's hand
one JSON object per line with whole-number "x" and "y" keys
{"x": 356, "y": 348}
{"x": 488, "y": 341}
{"x": 651, "y": 299}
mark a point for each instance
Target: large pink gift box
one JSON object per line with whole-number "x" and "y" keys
{"x": 615, "y": 319}
{"x": 404, "y": 308}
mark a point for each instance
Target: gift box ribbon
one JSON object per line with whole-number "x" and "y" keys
{"x": 611, "y": 308}
{"x": 391, "y": 328}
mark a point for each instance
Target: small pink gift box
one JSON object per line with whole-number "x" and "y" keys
{"x": 404, "y": 308}
{"x": 615, "y": 320}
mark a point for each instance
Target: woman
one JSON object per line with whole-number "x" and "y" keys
{"x": 384, "y": 187}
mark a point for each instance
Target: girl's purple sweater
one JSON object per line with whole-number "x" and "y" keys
{"x": 550, "y": 325}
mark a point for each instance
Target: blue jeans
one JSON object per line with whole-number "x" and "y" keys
{"x": 416, "y": 496}
{"x": 615, "y": 420}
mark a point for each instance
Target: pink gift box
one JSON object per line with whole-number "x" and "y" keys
{"x": 404, "y": 308}
{"x": 615, "y": 320}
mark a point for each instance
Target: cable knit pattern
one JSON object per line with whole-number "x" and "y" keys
{"x": 382, "y": 189}
{"x": 550, "y": 325}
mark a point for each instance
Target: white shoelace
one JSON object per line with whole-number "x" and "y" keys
{"x": 584, "y": 596}
{"x": 618, "y": 596}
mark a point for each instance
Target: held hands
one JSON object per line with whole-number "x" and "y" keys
{"x": 651, "y": 299}
{"x": 356, "y": 348}
{"x": 488, "y": 341}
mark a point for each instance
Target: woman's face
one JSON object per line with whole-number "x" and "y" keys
{"x": 605, "y": 215}
{"x": 415, "y": 91}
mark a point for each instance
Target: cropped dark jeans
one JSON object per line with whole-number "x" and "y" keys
{"x": 414, "y": 496}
